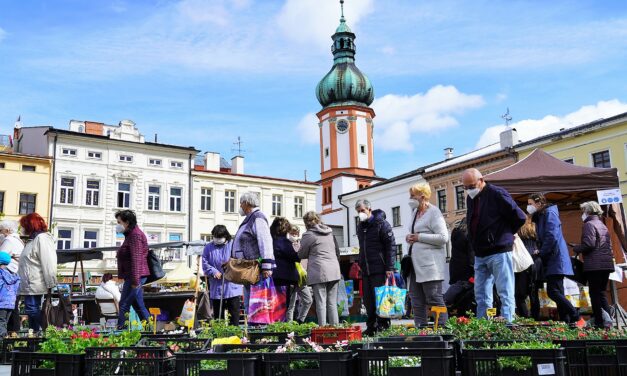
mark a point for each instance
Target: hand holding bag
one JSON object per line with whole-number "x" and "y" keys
{"x": 267, "y": 303}
{"x": 390, "y": 300}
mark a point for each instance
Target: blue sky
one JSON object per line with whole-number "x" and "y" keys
{"x": 202, "y": 73}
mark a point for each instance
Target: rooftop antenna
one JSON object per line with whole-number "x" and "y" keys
{"x": 305, "y": 175}
{"x": 507, "y": 117}
{"x": 238, "y": 147}
{"x": 342, "y": 10}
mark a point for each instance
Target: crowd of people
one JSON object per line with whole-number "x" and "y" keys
{"x": 481, "y": 261}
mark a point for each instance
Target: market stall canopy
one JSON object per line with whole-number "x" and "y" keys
{"x": 75, "y": 255}
{"x": 181, "y": 274}
{"x": 541, "y": 172}
{"x": 193, "y": 243}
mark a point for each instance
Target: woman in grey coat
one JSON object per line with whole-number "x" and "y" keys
{"x": 427, "y": 238}
{"x": 323, "y": 268}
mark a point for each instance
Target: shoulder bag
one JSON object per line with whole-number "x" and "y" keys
{"x": 520, "y": 256}
{"x": 155, "y": 268}
{"x": 241, "y": 271}
{"x": 407, "y": 265}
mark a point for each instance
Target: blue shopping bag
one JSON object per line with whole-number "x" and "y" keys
{"x": 390, "y": 300}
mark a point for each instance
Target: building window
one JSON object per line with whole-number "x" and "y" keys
{"x": 362, "y": 149}
{"x": 229, "y": 201}
{"x": 154, "y": 197}
{"x": 66, "y": 195}
{"x": 90, "y": 239}
{"x": 299, "y": 207}
{"x": 460, "y": 198}
{"x": 206, "y": 237}
{"x": 28, "y": 168}
{"x": 2, "y": 165}
{"x": 570, "y": 160}
{"x": 64, "y": 239}
{"x": 94, "y": 155}
{"x": 68, "y": 152}
{"x": 175, "y": 164}
{"x": 126, "y": 158}
{"x": 124, "y": 195}
{"x": 326, "y": 152}
{"x": 205, "y": 199}
{"x": 277, "y": 205}
{"x": 442, "y": 200}
{"x": 176, "y": 252}
{"x": 92, "y": 193}
{"x": 153, "y": 237}
{"x": 601, "y": 159}
{"x": 399, "y": 252}
{"x": 176, "y": 198}
{"x": 1, "y": 202}
{"x": 27, "y": 203}
{"x": 396, "y": 216}
{"x": 154, "y": 162}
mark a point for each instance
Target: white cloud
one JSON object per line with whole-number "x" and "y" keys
{"x": 314, "y": 21}
{"x": 399, "y": 116}
{"x": 532, "y": 128}
{"x": 388, "y": 50}
{"x": 308, "y": 129}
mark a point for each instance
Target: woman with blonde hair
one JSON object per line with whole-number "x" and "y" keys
{"x": 427, "y": 241}
{"x": 323, "y": 268}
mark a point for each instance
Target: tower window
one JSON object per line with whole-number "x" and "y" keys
{"x": 326, "y": 152}
{"x": 362, "y": 149}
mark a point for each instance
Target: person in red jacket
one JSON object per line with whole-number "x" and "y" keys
{"x": 132, "y": 259}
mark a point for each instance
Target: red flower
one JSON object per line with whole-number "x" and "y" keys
{"x": 462, "y": 320}
{"x": 582, "y": 334}
{"x": 471, "y": 279}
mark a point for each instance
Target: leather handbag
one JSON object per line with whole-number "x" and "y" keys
{"x": 154, "y": 266}
{"x": 407, "y": 265}
{"x": 56, "y": 315}
{"x": 241, "y": 271}
{"x": 578, "y": 274}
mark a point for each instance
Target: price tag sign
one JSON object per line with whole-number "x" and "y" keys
{"x": 438, "y": 310}
{"x": 154, "y": 311}
{"x": 491, "y": 312}
{"x": 546, "y": 369}
{"x": 609, "y": 196}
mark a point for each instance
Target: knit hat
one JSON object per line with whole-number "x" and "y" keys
{"x": 5, "y": 258}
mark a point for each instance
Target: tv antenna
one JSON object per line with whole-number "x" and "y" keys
{"x": 507, "y": 117}
{"x": 238, "y": 146}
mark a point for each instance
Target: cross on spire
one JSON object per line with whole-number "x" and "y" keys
{"x": 507, "y": 117}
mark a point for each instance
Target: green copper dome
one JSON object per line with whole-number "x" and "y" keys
{"x": 345, "y": 84}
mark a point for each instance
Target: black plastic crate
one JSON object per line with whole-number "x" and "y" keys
{"x": 41, "y": 364}
{"x": 122, "y": 361}
{"x": 409, "y": 339}
{"x": 277, "y": 337}
{"x": 182, "y": 344}
{"x": 17, "y": 344}
{"x": 415, "y": 360}
{"x": 485, "y": 362}
{"x": 165, "y": 336}
{"x": 308, "y": 364}
{"x": 218, "y": 364}
{"x": 593, "y": 357}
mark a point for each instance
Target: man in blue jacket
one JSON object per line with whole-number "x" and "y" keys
{"x": 493, "y": 219}
{"x": 376, "y": 259}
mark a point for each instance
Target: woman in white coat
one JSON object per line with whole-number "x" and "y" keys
{"x": 427, "y": 241}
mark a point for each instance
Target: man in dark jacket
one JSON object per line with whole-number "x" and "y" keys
{"x": 493, "y": 219}
{"x": 376, "y": 259}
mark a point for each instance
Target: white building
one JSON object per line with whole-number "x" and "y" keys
{"x": 217, "y": 187}
{"x": 100, "y": 169}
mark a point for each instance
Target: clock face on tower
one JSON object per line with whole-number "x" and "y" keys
{"x": 341, "y": 126}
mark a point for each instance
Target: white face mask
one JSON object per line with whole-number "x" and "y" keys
{"x": 584, "y": 216}
{"x": 363, "y": 216}
{"x": 119, "y": 228}
{"x": 292, "y": 238}
{"x": 241, "y": 212}
{"x": 473, "y": 192}
{"x": 531, "y": 209}
{"x": 414, "y": 204}
{"x": 219, "y": 241}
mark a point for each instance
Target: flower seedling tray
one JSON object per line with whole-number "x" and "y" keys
{"x": 280, "y": 337}
{"x": 17, "y": 344}
{"x": 177, "y": 345}
{"x": 138, "y": 361}
{"x": 308, "y": 363}
{"x": 499, "y": 362}
{"x": 415, "y": 361}
{"x": 42, "y": 364}
{"x": 328, "y": 336}
{"x": 202, "y": 363}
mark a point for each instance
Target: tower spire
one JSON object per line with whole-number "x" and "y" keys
{"x": 342, "y": 10}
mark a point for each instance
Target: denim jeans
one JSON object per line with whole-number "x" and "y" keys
{"x": 132, "y": 297}
{"x": 4, "y": 320}
{"x": 32, "y": 306}
{"x": 490, "y": 270}
{"x": 246, "y": 298}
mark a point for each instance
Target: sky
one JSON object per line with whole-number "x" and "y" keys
{"x": 201, "y": 73}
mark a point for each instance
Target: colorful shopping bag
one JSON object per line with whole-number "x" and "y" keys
{"x": 390, "y": 300}
{"x": 302, "y": 275}
{"x": 267, "y": 303}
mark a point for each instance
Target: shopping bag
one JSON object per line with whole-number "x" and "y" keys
{"x": 187, "y": 314}
{"x": 267, "y": 303}
{"x": 390, "y": 300}
{"x": 350, "y": 291}
{"x": 342, "y": 299}
{"x": 302, "y": 275}
{"x": 584, "y": 298}
{"x": 205, "y": 309}
{"x": 545, "y": 301}
{"x": 520, "y": 256}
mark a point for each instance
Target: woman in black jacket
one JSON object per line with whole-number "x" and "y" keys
{"x": 528, "y": 282}
{"x": 285, "y": 257}
{"x": 460, "y": 295}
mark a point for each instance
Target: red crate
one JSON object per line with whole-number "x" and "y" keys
{"x": 326, "y": 336}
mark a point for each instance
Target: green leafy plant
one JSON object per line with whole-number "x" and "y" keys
{"x": 213, "y": 365}
{"x": 404, "y": 361}
{"x": 219, "y": 329}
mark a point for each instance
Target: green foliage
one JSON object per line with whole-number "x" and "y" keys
{"x": 290, "y": 327}
{"x": 220, "y": 329}
{"x": 404, "y": 361}
{"x": 213, "y": 365}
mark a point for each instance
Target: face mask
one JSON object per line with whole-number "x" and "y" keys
{"x": 473, "y": 192}
{"x": 531, "y": 209}
{"x": 292, "y": 238}
{"x": 584, "y": 216}
{"x": 363, "y": 217}
{"x": 219, "y": 241}
{"x": 119, "y": 228}
{"x": 414, "y": 204}
{"x": 241, "y": 212}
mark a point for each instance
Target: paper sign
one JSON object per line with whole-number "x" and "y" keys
{"x": 609, "y": 196}
{"x": 546, "y": 369}
{"x": 491, "y": 312}
{"x": 617, "y": 275}
{"x": 154, "y": 311}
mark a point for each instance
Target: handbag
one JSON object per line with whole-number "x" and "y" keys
{"x": 407, "y": 265}
{"x": 205, "y": 309}
{"x": 59, "y": 315}
{"x": 578, "y": 273}
{"x": 154, "y": 266}
{"x": 241, "y": 271}
{"x": 520, "y": 256}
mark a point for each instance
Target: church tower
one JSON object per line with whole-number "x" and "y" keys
{"x": 345, "y": 122}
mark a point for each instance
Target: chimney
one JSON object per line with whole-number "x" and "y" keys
{"x": 448, "y": 153}
{"x": 212, "y": 161}
{"x": 237, "y": 164}
{"x": 509, "y": 138}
